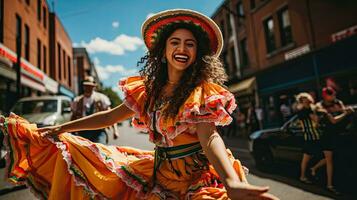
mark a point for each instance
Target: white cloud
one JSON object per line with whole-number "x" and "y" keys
{"x": 149, "y": 15}
{"x": 115, "y": 24}
{"x": 105, "y": 72}
{"x": 118, "y": 46}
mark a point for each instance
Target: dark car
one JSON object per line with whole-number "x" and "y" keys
{"x": 285, "y": 143}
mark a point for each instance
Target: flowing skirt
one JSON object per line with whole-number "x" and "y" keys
{"x": 71, "y": 167}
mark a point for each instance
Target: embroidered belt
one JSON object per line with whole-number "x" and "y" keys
{"x": 172, "y": 153}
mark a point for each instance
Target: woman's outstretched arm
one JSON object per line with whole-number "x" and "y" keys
{"x": 216, "y": 153}
{"x": 98, "y": 120}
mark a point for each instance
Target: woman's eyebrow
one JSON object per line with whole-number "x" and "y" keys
{"x": 175, "y": 38}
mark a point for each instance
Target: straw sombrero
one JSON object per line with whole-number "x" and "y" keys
{"x": 154, "y": 25}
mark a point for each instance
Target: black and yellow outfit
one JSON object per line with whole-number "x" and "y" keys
{"x": 312, "y": 134}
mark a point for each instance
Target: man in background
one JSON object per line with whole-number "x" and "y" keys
{"x": 89, "y": 103}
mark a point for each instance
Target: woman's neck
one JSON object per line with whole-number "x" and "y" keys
{"x": 174, "y": 75}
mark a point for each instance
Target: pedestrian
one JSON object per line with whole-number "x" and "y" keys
{"x": 332, "y": 108}
{"x": 309, "y": 123}
{"x": 309, "y": 116}
{"x": 178, "y": 99}
{"x": 88, "y": 103}
{"x": 251, "y": 120}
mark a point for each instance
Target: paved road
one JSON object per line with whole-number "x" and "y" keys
{"x": 283, "y": 187}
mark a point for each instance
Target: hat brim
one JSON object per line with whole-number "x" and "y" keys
{"x": 158, "y": 21}
{"x": 89, "y": 84}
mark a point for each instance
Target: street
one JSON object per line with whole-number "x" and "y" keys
{"x": 281, "y": 184}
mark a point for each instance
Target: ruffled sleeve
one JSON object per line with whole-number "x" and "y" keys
{"x": 208, "y": 103}
{"x": 134, "y": 98}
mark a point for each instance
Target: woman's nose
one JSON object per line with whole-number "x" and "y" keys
{"x": 181, "y": 47}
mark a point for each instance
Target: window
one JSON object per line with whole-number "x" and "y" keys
{"x": 269, "y": 34}
{"x": 223, "y": 28}
{"x": 225, "y": 62}
{"x": 69, "y": 71}
{"x": 59, "y": 62}
{"x": 1, "y": 20}
{"x": 252, "y": 4}
{"x": 44, "y": 11}
{"x": 233, "y": 60}
{"x": 244, "y": 52}
{"x": 39, "y": 47}
{"x": 285, "y": 27}
{"x": 228, "y": 18}
{"x": 44, "y": 59}
{"x": 240, "y": 10}
{"x": 39, "y": 7}
{"x": 18, "y": 32}
{"x": 64, "y": 64}
{"x": 27, "y": 42}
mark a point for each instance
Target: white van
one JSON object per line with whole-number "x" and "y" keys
{"x": 44, "y": 110}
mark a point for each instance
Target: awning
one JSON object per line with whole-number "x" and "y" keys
{"x": 244, "y": 87}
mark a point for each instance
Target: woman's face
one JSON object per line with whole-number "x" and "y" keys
{"x": 180, "y": 50}
{"x": 305, "y": 102}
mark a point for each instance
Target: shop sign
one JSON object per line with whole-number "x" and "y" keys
{"x": 50, "y": 84}
{"x": 29, "y": 82}
{"x": 348, "y": 32}
{"x": 297, "y": 52}
{"x": 65, "y": 91}
{"x": 31, "y": 70}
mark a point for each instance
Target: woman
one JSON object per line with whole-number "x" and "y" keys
{"x": 310, "y": 117}
{"x": 176, "y": 100}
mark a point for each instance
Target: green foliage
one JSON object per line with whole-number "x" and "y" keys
{"x": 113, "y": 96}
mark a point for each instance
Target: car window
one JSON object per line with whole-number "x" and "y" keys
{"x": 36, "y": 106}
{"x": 66, "y": 104}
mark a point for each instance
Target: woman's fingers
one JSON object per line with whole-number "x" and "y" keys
{"x": 256, "y": 189}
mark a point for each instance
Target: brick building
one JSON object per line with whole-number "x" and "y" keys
{"x": 61, "y": 54}
{"x": 83, "y": 67}
{"x": 283, "y": 47}
{"x": 29, "y": 28}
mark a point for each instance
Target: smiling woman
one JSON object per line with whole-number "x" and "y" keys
{"x": 178, "y": 100}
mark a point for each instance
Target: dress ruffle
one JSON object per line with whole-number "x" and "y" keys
{"x": 208, "y": 102}
{"x": 71, "y": 167}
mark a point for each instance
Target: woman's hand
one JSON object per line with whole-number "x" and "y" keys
{"x": 237, "y": 190}
{"x": 50, "y": 130}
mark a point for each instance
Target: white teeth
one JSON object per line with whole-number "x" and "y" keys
{"x": 181, "y": 56}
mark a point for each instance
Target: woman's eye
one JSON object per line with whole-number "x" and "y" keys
{"x": 174, "y": 43}
{"x": 190, "y": 45}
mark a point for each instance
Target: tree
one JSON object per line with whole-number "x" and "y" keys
{"x": 113, "y": 96}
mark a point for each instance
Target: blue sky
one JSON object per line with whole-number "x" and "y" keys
{"x": 110, "y": 30}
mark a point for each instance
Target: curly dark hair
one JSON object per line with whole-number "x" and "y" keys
{"x": 205, "y": 68}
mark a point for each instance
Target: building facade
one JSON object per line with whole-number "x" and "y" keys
{"x": 83, "y": 67}
{"x": 286, "y": 47}
{"x": 61, "y": 54}
{"x": 29, "y": 29}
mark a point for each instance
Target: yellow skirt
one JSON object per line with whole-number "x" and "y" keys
{"x": 71, "y": 167}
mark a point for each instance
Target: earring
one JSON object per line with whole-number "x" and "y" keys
{"x": 163, "y": 59}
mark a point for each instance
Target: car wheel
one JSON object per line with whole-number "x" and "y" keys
{"x": 263, "y": 157}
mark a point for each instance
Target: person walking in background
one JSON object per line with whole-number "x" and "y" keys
{"x": 309, "y": 123}
{"x": 333, "y": 123}
{"x": 251, "y": 120}
{"x": 309, "y": 116}
{"x": 89, "y": 103}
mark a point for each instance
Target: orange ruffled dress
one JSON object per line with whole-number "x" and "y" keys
{"x": 71, "y": 167}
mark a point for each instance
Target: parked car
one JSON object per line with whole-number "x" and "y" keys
{"x": 268, "y": 146}
{"x": 44, "y": 110}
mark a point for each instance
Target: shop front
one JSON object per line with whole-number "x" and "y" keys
{"x": 335, "y": 66}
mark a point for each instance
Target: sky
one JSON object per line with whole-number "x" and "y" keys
{"x": 111, "y": 30}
